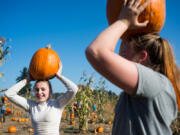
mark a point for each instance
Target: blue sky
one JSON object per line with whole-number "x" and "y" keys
{"x": 69, "y": 26}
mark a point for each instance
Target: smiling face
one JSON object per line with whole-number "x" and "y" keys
{"x": 42, "y": 91}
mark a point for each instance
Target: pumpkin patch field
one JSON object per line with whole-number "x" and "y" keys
{"x": 18, "y": 122}
{"x": 92, "y": 116}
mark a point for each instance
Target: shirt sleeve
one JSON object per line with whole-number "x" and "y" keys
{"x": 150, "y": 83}
{"x": 159, "y": 90}
{"x": 72, "y": 89}
{"x": 12, "y": 95}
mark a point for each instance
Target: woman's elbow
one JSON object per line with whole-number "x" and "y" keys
{"x": 76, "y": 90}
{"x": 88, "y": 52}
{"x": 91, "y": 53}
{"x": 6, "y": 94}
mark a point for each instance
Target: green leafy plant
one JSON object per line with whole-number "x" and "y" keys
{"x": 84, "y": 99}
{"x": 4, "y": 51}
{"x": 102, "y": 98}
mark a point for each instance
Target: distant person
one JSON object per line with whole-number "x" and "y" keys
{"x": 79, "y": 104}
{"x": 75, "y": 105}
{"x": 94, "y": 108}
{"x": 145, "y": 70}
{"x": 3, "y": 110}
{"x": 45, "y": 112}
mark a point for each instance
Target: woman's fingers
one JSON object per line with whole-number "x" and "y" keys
{"x": 29, "y": 78}
{"x": 143, "y": 24}
{"x": 130, "y": 3}
{"x": 137, "y": 3}
{"x": 125, "y": 2}
{"x": 141, "y": 8}
{"x": 60, "y": 69}
{"x": 130, "y": 12}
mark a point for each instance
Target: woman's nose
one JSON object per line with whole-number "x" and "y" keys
{"x": 39, "y": 91}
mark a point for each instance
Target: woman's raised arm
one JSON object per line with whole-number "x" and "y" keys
{"x": 100, "y": 53}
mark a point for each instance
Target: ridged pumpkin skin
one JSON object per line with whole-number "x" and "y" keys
{"x": 44, "y": 64}
{"x": 155, "y": 13}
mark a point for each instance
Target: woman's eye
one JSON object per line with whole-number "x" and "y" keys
{"x": 37, "y": 90}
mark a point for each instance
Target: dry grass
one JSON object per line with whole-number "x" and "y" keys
{"x": 66, "y": 128}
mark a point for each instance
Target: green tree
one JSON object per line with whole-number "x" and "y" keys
{"x": 4, "y": 51}
{"x": 25, "y": 91}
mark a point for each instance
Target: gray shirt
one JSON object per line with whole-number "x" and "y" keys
{"x": 151, "y": 110}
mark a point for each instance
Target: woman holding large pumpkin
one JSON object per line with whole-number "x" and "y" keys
{"x": 45, "y": 112}
{"x": 146, "y": 71}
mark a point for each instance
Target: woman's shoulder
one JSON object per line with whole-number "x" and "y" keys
{"x": 152, "y": 83}
{"x": 147, "y": 71}
{"x": 51, "y": 101}
{"x": 32, "y": 102}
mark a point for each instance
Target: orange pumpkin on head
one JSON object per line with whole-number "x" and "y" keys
{"x": 44, "y": 64}
{"x": 155, "y": 13}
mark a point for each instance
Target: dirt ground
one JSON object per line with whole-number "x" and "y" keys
{"x": 65, "y": 128}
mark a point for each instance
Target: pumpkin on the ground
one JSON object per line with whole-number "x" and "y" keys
{"x": 72, "y": 116}
{"x": 100, "y": 129}
{"x": 95, "y": 116}
{"x": 92, "y": 113}
{"x": 73, "y": 122}
{"x": 12, "y": 129}
{"x": 44, "y": 64}
{"x": 31, "y": 130}
{"x": 92, "y": 120}
{"x": 109, "y": 122}
{"x": 14, "y": 119}
{"x": 5, "y": 98}
{"x": 8, "y": 111}
{"x": 155, "y": 13}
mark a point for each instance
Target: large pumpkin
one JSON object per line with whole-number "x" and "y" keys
{"x": 44, "y": 64}
{"x": 155, "y": 13}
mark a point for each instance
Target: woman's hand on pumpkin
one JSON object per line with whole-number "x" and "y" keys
{"x": 59, "y": 70}
{"x": 130, "y": 13}
{"x": 29, "y": 78}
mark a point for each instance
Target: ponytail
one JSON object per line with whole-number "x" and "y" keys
{"x": 171, "y": 69}
{"x": 161, "y": 56}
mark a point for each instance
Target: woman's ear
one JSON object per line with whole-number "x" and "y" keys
{"x": 143, "y": 57}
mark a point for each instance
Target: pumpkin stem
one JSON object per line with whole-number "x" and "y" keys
{"x": 48, "y": 46}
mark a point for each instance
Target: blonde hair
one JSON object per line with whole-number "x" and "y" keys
{"x": 161, "y": 56}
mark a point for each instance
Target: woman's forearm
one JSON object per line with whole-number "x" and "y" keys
{"x": 108, "y": 39}
{"x": 12, "y": 95}
{"x": 16, "y": 88}
{"x": 68, "y": 84}
{"x": 115, "y": 68}
{"x": 70, "y": 93}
